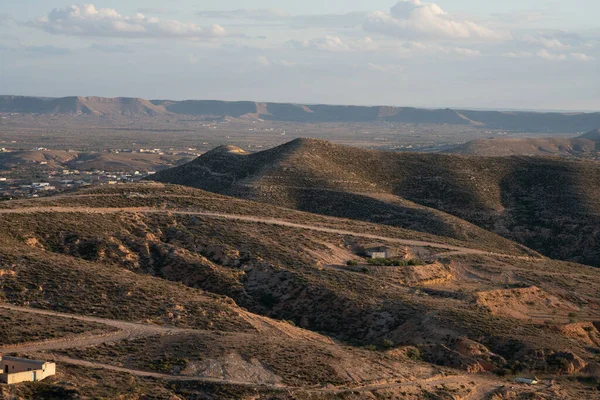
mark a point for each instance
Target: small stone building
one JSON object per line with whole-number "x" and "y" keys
{"x": 16, "y": 370}
{"x": 380, "y": 251}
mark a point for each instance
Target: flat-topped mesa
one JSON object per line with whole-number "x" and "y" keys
{"x": 303, "y": 113}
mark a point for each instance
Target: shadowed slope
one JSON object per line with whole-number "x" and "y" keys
{"x": 527, "y": 199}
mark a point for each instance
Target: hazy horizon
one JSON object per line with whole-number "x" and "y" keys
{"x": 327, "y": 104}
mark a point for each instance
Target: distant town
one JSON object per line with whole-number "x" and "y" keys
{"x": 34, "y": 173}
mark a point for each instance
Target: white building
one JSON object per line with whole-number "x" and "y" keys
{"x": 16, "y": 370}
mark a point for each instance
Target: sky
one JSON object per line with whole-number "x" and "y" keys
{"x": 525, "y": 54}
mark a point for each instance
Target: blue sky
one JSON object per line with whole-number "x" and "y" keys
{"x": 528, "y": 54}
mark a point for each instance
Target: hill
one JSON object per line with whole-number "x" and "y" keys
{"x": 227, "y": 298}
{"x": 546, "y": 204}
{"x": 56, "y": 159}
{"x": 305, "y": 113}
{"x": 584, "y": 146}
{"x": 592, "y": 135}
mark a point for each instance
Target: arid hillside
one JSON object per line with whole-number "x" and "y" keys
{"x": 213, "y": 296}
{"x": 584, "y": 146}
{"x": 549, "y": 205}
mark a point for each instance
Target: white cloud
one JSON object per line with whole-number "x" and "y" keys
{"x": 465, "y": 52}
{"x": 328, "y": 43}
{"x": 550, "y": 56}
{"x": 384, "y": 67}
{"x": 554, "y": 44}
{"x": 430, "y": 49}
{"x": 334, "y": 44}
{"x": 546, "y": 55}
{"x": 546, "y": 41}
{"x": 581, "y": 57}
{"x": 415, "y": 19}
{"x": 267, "y": 62}
{"x": 87, "y": 20}
{"x": 519, "y": 54}
{"x": 264, "y": 61}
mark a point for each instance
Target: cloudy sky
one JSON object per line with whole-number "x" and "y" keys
{"x": 518, "y": 54}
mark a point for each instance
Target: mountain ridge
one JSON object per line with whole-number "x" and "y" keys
{"x": 292, "y": 112}
{"x": 539, "y": 202}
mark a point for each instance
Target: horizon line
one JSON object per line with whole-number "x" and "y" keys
{"x": 499, "y": 109}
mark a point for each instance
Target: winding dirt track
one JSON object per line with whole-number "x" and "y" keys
{"x": 452, "y": 250}
{"x": 127, "y": 330}
{"x": 130, "y": 330}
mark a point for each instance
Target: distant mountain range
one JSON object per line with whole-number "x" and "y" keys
{"x": 584, "y": 146}
{"x": 520, "y": 121}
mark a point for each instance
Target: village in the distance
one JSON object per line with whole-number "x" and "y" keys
{"x": 40, "y": 172}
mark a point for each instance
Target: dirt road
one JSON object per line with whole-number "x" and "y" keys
{"x": 452, "y": 250}
{"x": 130, "y": 330}
{"x": 127, "y": 330}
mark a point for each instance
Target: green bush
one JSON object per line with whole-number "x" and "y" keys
{"x": 352, "y": 263}
{"x": 414, "y": 354}
{"x": 383, "y": 262}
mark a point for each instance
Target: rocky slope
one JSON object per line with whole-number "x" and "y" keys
{"x": 263, "y": 290}
{"x": 546, "y": 204}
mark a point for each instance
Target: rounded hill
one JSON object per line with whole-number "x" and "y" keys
{"x": 543, "y": 203}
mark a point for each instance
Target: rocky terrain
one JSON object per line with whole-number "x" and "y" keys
{"x": 547, "y": 204}
{"x": 189, "y": 294}
{"x": 98, "y": 106}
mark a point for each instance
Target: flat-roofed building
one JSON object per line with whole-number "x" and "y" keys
{"x": 16, "y": 370}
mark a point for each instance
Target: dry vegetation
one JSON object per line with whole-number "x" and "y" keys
{"x": 17, "y": 328}
{"x": 261, "y": 291}
{"x": 549, "y": 205}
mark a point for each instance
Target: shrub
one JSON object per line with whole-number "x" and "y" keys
{"x": 383, "y": 262}
{"x": 414, "y": 354}
{"x": 352, "y": 263}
